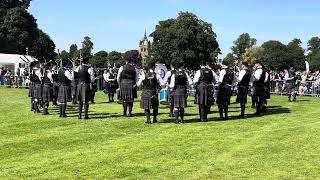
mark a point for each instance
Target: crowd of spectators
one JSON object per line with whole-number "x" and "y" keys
{"x": 18, "y": 79}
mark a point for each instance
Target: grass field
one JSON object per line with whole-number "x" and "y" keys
{"x": 283, "y": 144}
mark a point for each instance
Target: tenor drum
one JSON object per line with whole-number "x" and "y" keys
{"x": 164, "y": 97}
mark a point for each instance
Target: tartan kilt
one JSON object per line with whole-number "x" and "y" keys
{"x": 126, "y": 90}
{"x": 64, "y": 94}
{"x": 74, "y": 85}
{"x": 180, "y": 97}
{"x": 267, "y": 91}
{"x": 83, "y": 92}
{"x": 291, "y": 87}
{"x": 224, "y": 93}
{"x": 37, "y": 91}
{"x": 204, "y": 94}
{"x": 47, "y": 93}
{"x": 111, "y": 87}
{"x": 149, "y": 99}
{"x": 55, "y": 90}
{"x": 31, "y": 87}
{"x": 242, "y": 96}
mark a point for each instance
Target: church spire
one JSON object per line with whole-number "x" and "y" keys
{"x": 145, "y": 34}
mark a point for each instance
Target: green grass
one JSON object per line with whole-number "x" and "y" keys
{"x": 284, "y": 144}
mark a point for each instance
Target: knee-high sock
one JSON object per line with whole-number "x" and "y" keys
{"x": 155, "y": 113}
{"x": 60, "y": 110}
{"x": 243, "y": 108}
{"x": 109, "y": 96}
{"x": 130, "y": 106}
{"x": 226, "y": 109}
{"x": 125, "y": 106}
{"x": 206, "y": 112}
{"x": 220, "y": 111}
{"x": 176, "y": 114}
{"x": 80, "y": 106}
{"x": 182, "y": 114}
{"x": 147, "y": 113}
{"x": 86, "y": 111}
{"x": 202, "y": 113}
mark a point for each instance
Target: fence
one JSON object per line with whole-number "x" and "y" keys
{"x": 307, "y": 88}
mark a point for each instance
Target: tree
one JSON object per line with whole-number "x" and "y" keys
{"x": 19, "y": 30}
{"x": 64, "y": 55}
{"x": 100, "y": 59}
{"x": 230, "y": 58}
{"x": 115, "y": 58}
{"x": 74, "y": 52}
{"x": 314, "y": 53}
{"x": 44, "y": 48}
{"x": 87, "y": 46}
{"x": 185, "y": 38}
{"x": 253, "y": 54}
{"x": 243, "y": 42}
{"x": 276, "y": 56}
{"x": 296, "y": 54}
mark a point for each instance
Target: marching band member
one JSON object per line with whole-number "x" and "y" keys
{"x": 166, "y": 81}
{"x": 83, "y": 90}
{"x": 36, "y": 79}
{"x": 258, "y": 83}
{"x": 47, "y": 89}
{"x": 110, "y": 80}
{"x": 127, "y": 78}
{"x": 178, "y": 84}
{"x": 204, "y": 79}
{"x": 150, "y": 82}
{"x": 65, "y": 77}
{"x": 243, "y": 87}
{"x": 226, "y": 79}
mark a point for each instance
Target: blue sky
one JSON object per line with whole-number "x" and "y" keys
{"x": 120, "y": 24}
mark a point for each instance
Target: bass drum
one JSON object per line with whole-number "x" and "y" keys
{"x": 164, "y": 97}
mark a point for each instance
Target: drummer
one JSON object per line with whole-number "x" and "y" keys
{"x": 166, "y": 82}
{"x": 178, "y": 84}
{"x": 204, "y": 79}
{"x": 150, "y": 82}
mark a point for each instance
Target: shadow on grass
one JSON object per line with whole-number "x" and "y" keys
{"x": 272, "y": 110}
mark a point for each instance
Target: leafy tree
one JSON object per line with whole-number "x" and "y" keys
{"x": 276, "y": 55}
{"x": 74, "y": 52}
{"x": 231, "y": 59}
{"x": 64, "y": 55}
{"x": 314, "y": 53}
{"x": 185, "y": 38}
{"x": 253, "y": 54}
{"x": 87, "y": 46}
{"x": 100, "y": 59}
{"x": 296, "y": 54}
{"x": 19, "y": 30}
{"x": 115, "y": 58}
{"x": 44, "y": 48}
{"x": 243, "y": 42}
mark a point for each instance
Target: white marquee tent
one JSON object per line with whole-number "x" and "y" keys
{"x": 14, "y": 61}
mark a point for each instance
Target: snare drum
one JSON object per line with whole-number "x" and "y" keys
{"x": 164, "y": 97}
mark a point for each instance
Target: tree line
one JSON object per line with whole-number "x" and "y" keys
{"x": 184, "y": 38}
{"x": 274, "y": 54}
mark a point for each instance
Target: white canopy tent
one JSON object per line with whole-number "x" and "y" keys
{"x": 14, "y": 61}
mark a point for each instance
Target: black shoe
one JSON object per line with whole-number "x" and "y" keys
{"x": 129, "y": 115}
{"x": 155, "y": 121}
{"x": 86, "y": 117}
{"x": 148, "y": 122}
{"x": 241, "y": 116}
{"x": 176, "y": 121}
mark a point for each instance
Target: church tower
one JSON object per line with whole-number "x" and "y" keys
{"x": 144, "y": 46}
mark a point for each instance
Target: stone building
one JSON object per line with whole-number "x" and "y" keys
{"x": 144, "y": 47}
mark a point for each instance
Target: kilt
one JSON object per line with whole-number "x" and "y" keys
{"x": 179, "y": 97}
{"x": 55, "y": 90}
{"x": 64, "y": 94}
{"x": 37, "y": 91}
{"x": 259, "y": 93}
{"x": 111, "y": 87}
{"x": 204, "y": 94}
{"x": 94, "y": 87}
{"x": 47, "y": 93}
{"x": 149, "y": 99}
{"x": 291, "y": 87}
{"x": 224, "y": 94}
{"x": 242, "y": 94}
{"x": 83, "y": 92}
{"x": 126, "y": 90}
{"x": 267, "y": 92}
{"x": 74, "y": 85}
{"x": 31, "y": 87}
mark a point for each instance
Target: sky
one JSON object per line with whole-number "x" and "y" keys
{"x": 120, "y": 24}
